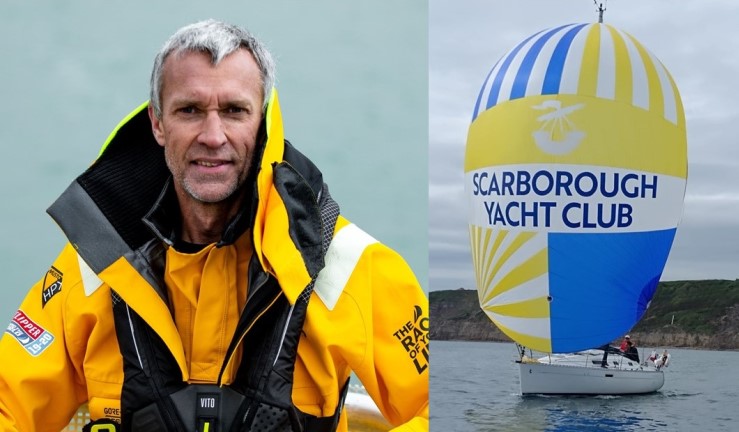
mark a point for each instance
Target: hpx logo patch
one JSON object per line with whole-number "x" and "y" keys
{"x": 52, "y": 285}
{"x": 414, "y": 336}
{"x": 29, "y": 334}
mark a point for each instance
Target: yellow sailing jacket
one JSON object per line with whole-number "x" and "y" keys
{"x": 367, "y": 313}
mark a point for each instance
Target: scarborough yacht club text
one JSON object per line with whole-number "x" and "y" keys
{"x": 513, "y": 198}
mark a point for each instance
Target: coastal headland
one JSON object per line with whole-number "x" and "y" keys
{"x": 701, "y": 314}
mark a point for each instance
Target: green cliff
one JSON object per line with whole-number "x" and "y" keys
{"x": 694, "y": 314}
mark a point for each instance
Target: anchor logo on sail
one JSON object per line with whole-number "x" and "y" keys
{"x": 556, "y": 124}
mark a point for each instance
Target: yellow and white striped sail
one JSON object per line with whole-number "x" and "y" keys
{"x": 575, "y": 172}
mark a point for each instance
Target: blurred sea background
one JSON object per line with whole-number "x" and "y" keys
{"x": 352, "y": 79}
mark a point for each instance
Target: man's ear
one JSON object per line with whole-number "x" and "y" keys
{"x": 156, "y": 126}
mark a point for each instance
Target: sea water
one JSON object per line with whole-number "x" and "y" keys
{"x": 474, "y": 387}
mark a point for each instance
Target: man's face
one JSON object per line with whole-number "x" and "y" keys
{"x": 208, "y": 128}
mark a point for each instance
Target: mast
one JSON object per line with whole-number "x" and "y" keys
{"x": 600, "y": 8}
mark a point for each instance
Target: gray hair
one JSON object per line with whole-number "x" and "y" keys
{"x": 219, "y": 40}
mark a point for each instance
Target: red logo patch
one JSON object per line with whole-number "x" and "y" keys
{"x": 34, "y": 338}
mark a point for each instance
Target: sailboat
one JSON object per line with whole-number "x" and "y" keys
{"x": 588, "y": 372}
{"x": 575, "y": 174}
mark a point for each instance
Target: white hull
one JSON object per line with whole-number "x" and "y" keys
{"x": 582, "y": 374}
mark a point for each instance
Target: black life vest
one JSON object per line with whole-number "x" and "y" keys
{"x": 154, "y": 397}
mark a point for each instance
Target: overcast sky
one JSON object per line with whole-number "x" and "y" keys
{"x": 696, "y": 40}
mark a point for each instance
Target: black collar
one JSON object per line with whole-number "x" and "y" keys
{"x": 165, "y": 221}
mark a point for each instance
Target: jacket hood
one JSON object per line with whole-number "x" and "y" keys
{"x": 102, "y": 211}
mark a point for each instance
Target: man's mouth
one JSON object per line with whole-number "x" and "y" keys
{"x": 209, "y": 164}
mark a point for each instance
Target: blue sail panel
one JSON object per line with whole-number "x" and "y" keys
{"x": 599, "y": 289}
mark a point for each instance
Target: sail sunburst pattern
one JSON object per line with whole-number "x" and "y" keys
{"x": 511, "y": 270}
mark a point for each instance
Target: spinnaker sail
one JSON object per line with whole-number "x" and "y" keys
{"x": 575, "y": 175}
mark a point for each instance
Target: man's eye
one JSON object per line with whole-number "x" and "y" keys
{"x": 187, "y": 110}
{"x": 235, "y": 110}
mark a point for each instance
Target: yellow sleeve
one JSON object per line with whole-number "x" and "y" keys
{"x": 40, "y": 383}
{"x": 395, "y": 366}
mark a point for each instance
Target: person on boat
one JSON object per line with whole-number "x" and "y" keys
{"x": 625, "y": 343}
{"x": 606, "y": 349}
{"x": 663, "y": 360}
{"x": 631, "y": 352}
{"x": 209, "y": 281}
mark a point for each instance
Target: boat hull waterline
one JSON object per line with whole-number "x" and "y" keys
{"x": 543, "y": 378}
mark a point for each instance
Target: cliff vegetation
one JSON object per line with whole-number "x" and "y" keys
{"x": 691, "y": 314}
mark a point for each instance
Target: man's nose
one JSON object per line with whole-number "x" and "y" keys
{"x": 212, "y": 133}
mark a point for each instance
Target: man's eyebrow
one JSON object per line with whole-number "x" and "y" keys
{"x": 238, "y": 102}
{"x": 184, "y": 101}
